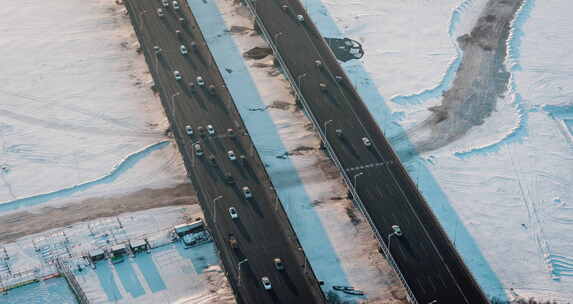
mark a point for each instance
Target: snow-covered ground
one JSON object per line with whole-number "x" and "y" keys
{"x": 168, "y": 274}
{"x": 79, "y": 124}
{"x": 502, "y": 191}
{"x": 76, "y": 111}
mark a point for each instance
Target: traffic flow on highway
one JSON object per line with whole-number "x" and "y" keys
{"x": 404, "y": 224}
{"x": 259, "y": 250}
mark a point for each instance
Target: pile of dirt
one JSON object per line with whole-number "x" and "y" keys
{"x": 258, "y": 53}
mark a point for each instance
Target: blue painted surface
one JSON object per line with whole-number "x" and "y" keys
{"x": 129, "y": 279}
{"x": 51, "y": 291}
{"x": 107, "y": 281}
{"x": 150, "y": 272}
{"x": 264, "y": 133}
{"x": 429, "y": 186}
{"x": 116, "y": 172}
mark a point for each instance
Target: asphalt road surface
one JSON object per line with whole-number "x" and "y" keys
{"x": 262, "y": 230}
{"x": 429, "y": 263}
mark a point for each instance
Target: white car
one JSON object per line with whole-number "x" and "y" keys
{"x": 175, "y": 5}
{"x": 366, "y": 142}
{"x": 210, "y": 130}
{"x": 177, "y": 75}
{"x": 188, "y": 130}
{"x": 183, "y": 50}
{"x": 247, "y": 192}
{"x": 200, "y": 81}
{"x": 266, "y": 283}
{"x": 160, "y": 13}
{"x": 198, "y": 149}
{"x": 397, "y": 230}
{"x": 231, "y": 155}
{"x": 233, "y": 212}
{"x": 300, "y": 18}
{"x": 165, "y": 3}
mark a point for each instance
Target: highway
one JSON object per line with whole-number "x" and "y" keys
{"x": 262, "y": 230}
{"x": 430, "y": 265}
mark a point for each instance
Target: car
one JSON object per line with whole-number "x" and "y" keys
{"x": 176, "y": 5}
{"x": 181, "y": 20}
{"x": 396, "y": 230}
{"x": 201, "y": 131}
{"x": 366, "y": 142}
{"x": 247, "y": 192}
{"x": 160, "y": 13}
{"x": 212, "y": 90}
{"x": 278, "y": 264}
{"x": 194, "y": 45}
{"x": 339, "y": 133}
{"x": 183, "y": 50}
{"x": 266, "y": 283}
{"x": 212, "y": 160}
{"x": 233, "y": 241}
{"x": 188, "y": 130}
{"x": 323, "y": 87}
{"x": 157, "y": 50}
{"x": 231, "y": 133}
{"x": 198, "y": 149}
{"x": 165, "y": 3}
{"x": 210, "y": 130}
{"x": 200, "y": 81}
{"x": 229, "y": 178}
{"x": 300, "y": 18}
{"x": 178, "y": 34}
{"x": 231, "y": 155}
{"x": 233, "y": 213}
{"x": 191, "y": 86}
{"x": 177, "y": 75}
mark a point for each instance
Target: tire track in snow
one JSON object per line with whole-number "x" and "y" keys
{"x": 125, "y": 164}
{"x": 75, "y": 128}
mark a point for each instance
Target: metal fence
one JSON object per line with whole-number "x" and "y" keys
{"x": 330, "y": 150}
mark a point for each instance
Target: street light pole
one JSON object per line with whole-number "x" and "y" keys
{"x": 239, "y": 271}
{"x": 326, "y": 124}
{"x": 298, "y": 79}
{"x": 215, "y": 209}
{"x": 355, "y": 176}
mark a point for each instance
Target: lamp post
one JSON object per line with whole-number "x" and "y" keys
{"x": 298, "y": 79}
{"x": 356, "y": 176}
{"x": 239, "y": 271}
{"x": 215, "y": 209}
{"x": 326, "y": 124}
{"x": 396, "y": 232}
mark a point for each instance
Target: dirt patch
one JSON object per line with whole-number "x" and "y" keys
{"x": 480, "y": 80}
{"x": 19, "y": 224}
{"x": 258, "y": 53}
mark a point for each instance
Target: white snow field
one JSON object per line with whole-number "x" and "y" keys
{"x": 167, "y": 274}
{"x": 76, "y": 110}
{"x": 503, "y": 191}
{"x": 309, "y": 186}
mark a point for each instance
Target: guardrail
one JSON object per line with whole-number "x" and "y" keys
{"x": 330, "y": 150}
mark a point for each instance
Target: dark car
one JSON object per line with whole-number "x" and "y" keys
{"x": 229, "y": 178}
{"x": 212, "y": 160}
{"x": 201, "y": 131}
{"x": 278, "y": 264}
{"x": 233, "y": 241}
